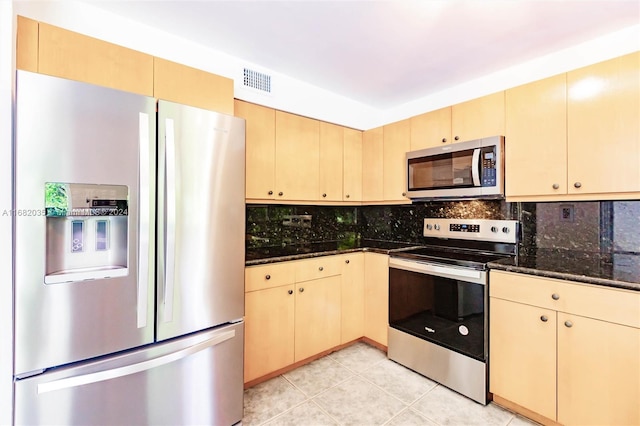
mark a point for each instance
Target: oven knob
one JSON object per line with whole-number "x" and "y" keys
{"x": 436, "y": 227}
{"x": 505, "y": 230}
{"x": 429, "y": 226}
{"x": 494, "y": 229}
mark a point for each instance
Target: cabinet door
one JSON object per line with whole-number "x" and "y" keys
{"x": 522, "y": 355}
{"x": 74, "y": 56}
{"x": 478, "y": 118}
{"x": 372, "y": 164}
{"x": 297, "y": 157}
{"x": 431, "y": 129}
{"x": 598, "y": 372}
{"x": 352, "y": 297}
{"x": 27, "y": 44}
{"x": 536, "y": 138}
{"x": 603, "y": 130}
{"x": 260, "y": 149}
{"x": 352, "y": 165}
{"x": 396, "y": 143}
{"x": 376, "y": 297}
{"x": 190, "y": 86}
{"x": 269, "y": 331}
{"x": 317, "y": 313}
{"x": 331, "y": 149}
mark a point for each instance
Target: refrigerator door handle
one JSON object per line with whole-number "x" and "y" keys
{"x": 114, "y": 373}
{"x": 170, "y": 245}
{"x": 145, "y": 223}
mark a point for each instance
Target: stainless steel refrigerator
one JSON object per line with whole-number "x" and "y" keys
{"x": 129, "y": 258}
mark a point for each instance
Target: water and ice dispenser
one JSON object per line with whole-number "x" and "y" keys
{"x": 87, "y": 228}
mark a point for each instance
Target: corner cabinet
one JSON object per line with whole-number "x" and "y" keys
{"x": 565, "y": 351}
{"x": 372, "y": 164}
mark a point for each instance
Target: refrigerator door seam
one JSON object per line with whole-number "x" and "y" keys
{"x": 100, "y": 376}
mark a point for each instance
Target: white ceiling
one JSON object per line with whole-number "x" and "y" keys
{"x": 384, "y": 53}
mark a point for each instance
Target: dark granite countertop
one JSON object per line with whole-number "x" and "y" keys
{"x": 619, "y": 270}
{"x": 263, "y": 255}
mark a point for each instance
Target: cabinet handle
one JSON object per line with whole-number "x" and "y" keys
{"x": 556, "y": 186}
{"x": 444, "y": 140}
{"x": 346, "y": 261}
{"x": 290, "y": 291}
{"x": 324, "y": 195}
{"x": 280, "y": 194}
{"x": 568, "y": 324}
{"x": 270, "y": 192}
{"x": 267, "y": 277}
{"x": 321, "y": 269}
{"x": 347, "y": 195}
{"x": 555, "y": 296}
{"x": 544, "y": 318}
{"x": 457, "y": 138}
{"x": 404, "y": 194}
{"x": 577, "y": 184}
{"x": 301, "y": 289}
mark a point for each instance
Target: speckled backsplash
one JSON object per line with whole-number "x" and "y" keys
{"x": 598, "y": 227}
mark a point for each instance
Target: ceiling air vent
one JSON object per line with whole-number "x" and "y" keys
{"x": 257, "y": 80}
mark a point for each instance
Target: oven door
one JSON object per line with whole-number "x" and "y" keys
{"x": 446, "y": 305}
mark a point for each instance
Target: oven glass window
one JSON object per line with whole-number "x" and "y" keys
{"x": 450, "y": 170}
{"x": 448, "y": 312}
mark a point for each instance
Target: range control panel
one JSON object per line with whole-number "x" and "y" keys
{"x": 502, "y": 231}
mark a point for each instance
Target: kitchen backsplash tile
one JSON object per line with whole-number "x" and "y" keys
{"x": 598, "y": 227}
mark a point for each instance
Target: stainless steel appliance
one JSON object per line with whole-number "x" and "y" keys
{"x": 438, "y": 300}
{"x": 129, "y": 258}
{"x": 473, "y": 169}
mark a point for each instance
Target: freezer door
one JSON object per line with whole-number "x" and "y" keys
{"x": 201, "y": 219}
{"x": 195, "y": 380}
{"x": 84, "y": 284}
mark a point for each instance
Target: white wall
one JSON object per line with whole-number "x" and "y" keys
{"x": 299, "y": 97}
{"x": 6, "y": 246}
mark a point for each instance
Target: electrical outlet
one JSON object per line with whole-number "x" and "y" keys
{"x": 567, "y": 213}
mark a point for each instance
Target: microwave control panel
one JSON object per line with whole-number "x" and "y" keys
{"x": 488, "y": 166}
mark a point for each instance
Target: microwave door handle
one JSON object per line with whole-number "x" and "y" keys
{"x": 475, "y": 167}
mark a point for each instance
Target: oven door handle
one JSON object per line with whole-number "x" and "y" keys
{"x": 466, "y": 274}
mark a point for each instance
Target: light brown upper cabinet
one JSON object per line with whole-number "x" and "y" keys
{"x": 297, "y": 157}
{"x": 27, "y": 44}
{"x": 190, "y": 86}
{"x": 603, "y": 127}
{"x": 536, "y": 138}
{"x": 372, "y": 164}
{"x": 352, "y": 165}
{"x": 396, "y": 143}
{"x": 331, "y": 167}
{"x": 74, "y": 56}
{"x": 478, "y": 118}
{"x": 431, "y": 129}
{"x": 260, "y": 149}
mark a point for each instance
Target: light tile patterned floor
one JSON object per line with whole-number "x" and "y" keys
{"x": 360, "y": 386}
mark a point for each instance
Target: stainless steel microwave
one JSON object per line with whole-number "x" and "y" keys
{"x": 473, "y": 169}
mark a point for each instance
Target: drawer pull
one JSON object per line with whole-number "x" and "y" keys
{"x": 568, "y": 324}
{"x": 321, "y": 269}
{"x": 290, "y": 291}
{"x": 267, "y": 277}
{"x": 301, "y": 289}
{"x": 346, "y": 261}
{"x": 544, "y": 318}
{"x": 555, "y": 296}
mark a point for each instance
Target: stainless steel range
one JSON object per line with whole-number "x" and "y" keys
{"x": 438, "y": 301}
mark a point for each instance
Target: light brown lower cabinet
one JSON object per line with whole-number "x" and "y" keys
{"x": 295, "y": 310}
{"x": 566, "y": 351}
